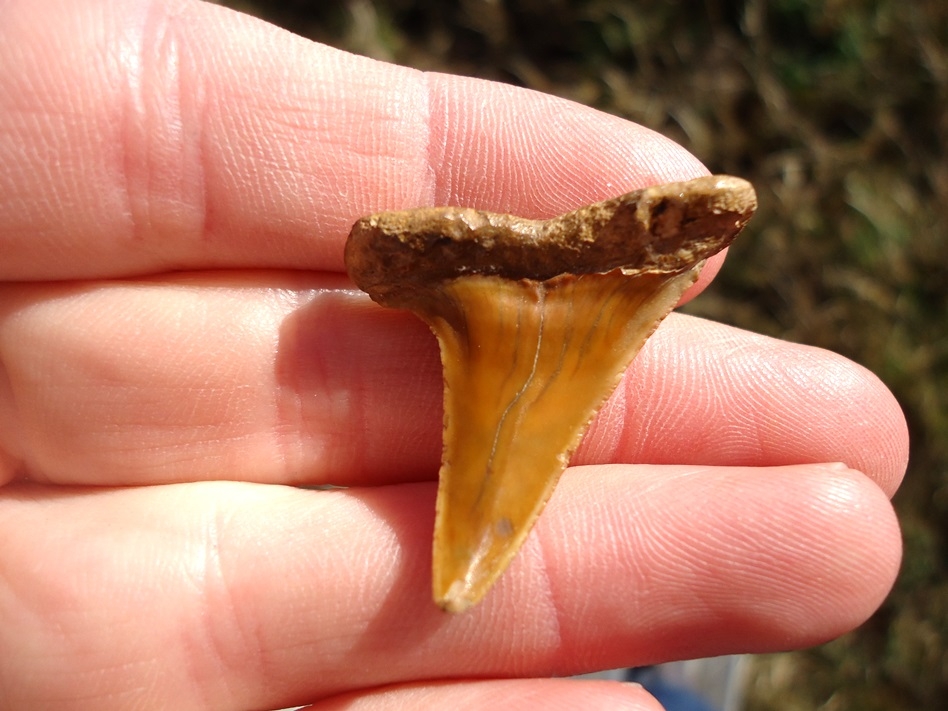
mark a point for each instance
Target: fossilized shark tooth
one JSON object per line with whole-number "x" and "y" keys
{"x": 537, "y": 321}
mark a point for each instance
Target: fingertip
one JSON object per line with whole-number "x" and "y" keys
{"x": 892, "y": 440}
{"x": 741, "y": 559}
{"x": 860, "y": 412}
{"x": 839, "y": 537}
{"x": 746, "y": 399}
{"x": 854, "y": 503}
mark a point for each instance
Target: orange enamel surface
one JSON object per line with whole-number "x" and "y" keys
{"x": 526, "y": 366}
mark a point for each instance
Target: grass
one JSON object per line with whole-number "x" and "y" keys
{"x": 837, "y": 111}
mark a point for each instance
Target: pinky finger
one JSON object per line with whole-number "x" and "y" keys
{"x": 509, "y": 694}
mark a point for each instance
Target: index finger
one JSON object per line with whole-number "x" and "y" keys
{"x": 143, "y": 137}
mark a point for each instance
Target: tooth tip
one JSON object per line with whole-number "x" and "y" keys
{"x": 460, "y": 580}
{"x": 456, "y": 599}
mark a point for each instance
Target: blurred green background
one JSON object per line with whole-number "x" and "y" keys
{"x": 837, "y": 111}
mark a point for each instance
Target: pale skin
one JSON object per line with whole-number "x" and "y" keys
{"x": 179, "y": 349}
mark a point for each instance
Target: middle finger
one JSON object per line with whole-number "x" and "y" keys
{"x": 296, "y": 378}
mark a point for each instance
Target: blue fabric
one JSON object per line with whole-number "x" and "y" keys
{"x": 676, "y": 698}
{"x": 672, "y": 696}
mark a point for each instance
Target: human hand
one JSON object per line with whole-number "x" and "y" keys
{"x": 180, "y": 350}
